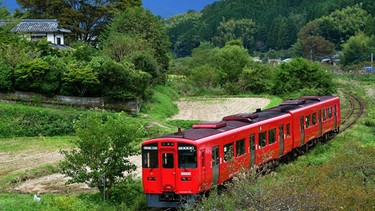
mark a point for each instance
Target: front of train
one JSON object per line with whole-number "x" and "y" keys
{"x": 170, "y": 172}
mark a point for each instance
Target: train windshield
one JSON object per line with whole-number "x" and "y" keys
{"x": 187, "y": 156}
{"x": 150, "y": 156}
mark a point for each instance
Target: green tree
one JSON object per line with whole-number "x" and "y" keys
{"x": 243, "y": 29}
{"x": 142, "y": 26}
{"x": 87, "y": 19}
{"x": 80, "y": 76}
{"x": 121, "y": 82}
{"x": 4, "y": 12}
{"x": 316, "y": 46}
{"x": 301, "y": 75}
{"x": 51, "y": 83}
{"x": 357, "y": 49}
{"x": 102, "y": 150}
{"x": 338, "y": 26}
{"x": 257, "y": 79}
{"x": 230, "y": 62}
{"x": 29, "y": 75}
{"x": 15, "y": 53}
{"x": 6, "y": 78}
{"x": 120, "y": 47}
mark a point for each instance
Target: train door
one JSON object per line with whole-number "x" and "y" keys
{"x": 203, "y": 164}
{"x": 252, "y": 150}
{"x": 168, "y": 173}
{"x": 302, "y": 121}
{"x": 215, "y": 165}
{"x": 320, "y": 122}
{"x": 335, "y": 116}
{"x": 281, "y": 139}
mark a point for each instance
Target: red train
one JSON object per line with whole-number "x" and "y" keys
{"x": 178, "y": 168}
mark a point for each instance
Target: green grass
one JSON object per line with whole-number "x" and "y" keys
{"x": 13, "y": 145}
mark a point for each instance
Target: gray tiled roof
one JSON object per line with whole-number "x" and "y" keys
{"x": 39, "y": 25}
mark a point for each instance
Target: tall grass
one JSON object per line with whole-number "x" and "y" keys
{"x": 20, "y": 120}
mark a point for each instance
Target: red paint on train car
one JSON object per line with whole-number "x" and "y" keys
{"x": 178, "y": 168}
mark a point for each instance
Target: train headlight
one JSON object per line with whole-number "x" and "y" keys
{"x": 185, "y": 178}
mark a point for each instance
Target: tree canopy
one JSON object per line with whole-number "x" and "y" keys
{"x": 102, "y": 150}
{"x": 86, "y": 19}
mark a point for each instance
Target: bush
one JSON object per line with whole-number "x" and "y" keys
{"x": 129, "y": 194}
{"x": 6, "y": 78}
{"x": 19, "y": 120}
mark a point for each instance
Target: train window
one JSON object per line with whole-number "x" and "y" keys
{"x": 262, "y": 139}
{"x": 313, "y": 119}
{"x": 330, "y": 112}
{"x": 167, "y": 160}
{"x": 240, "y": 147}
{"x": 187, "y": 156}
{"x": 307, "y": 121}
{"x": 288, "y": 129}
{"x": 150, "y": 156}
{"x": 228, "y": 151}
{"x": 272, "y": 136}
{"x": 324, "y": 115}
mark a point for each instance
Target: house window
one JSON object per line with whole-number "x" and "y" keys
{"x": 37, "y": 37}
{"x": 58, "y": 41}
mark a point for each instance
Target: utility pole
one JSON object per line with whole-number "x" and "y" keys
{"x": 372, "y": 58}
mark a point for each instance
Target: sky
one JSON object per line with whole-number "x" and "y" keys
{"x": 163, "y": 8}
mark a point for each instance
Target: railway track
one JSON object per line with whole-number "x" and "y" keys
{"x": 357, "y": 108}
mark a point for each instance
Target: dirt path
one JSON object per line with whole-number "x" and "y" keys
{"x": 207, "y": 109}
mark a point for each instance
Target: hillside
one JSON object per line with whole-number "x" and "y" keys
{"x": 276, "y": 22}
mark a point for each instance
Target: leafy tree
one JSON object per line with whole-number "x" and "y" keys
{"x": 87, "y": 19}
{"x": 83, "y": 51}
{"x": 243, "y": 29}
{"x": 316, "y": 46}
{"x": 142, "y": 26}
{"x": 257, "y": 78}
{"x": 15, "y": 53}
{"x": 299, "y": 74}
{"x": 80, "y": 76}
{"x": 145, "y": 62}
{"x": 338, "y": 27}
{"x": 52, "y": 80}
{"x": 29, "y": 75}
{"x": 102, "y": 150}
{"x": 6, "y": 78}
{"x": 357, "y": 49}
{"x": 4, "y": 12}
{"x": 230, "y": 62}
{"x": 120, "y": 47}
{"x": 121, "y": 82}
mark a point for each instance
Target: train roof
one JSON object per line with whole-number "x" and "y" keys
{"x": 205, "y": 129}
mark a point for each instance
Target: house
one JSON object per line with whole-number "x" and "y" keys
{"x": 37, "y": 29}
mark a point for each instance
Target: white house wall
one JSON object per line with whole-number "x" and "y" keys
{"x": 51, "y": 38}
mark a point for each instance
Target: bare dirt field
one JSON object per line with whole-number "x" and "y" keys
{"x": 207, "y": 109}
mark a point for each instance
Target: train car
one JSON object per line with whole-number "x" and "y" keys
{"x": 178, "y": 168}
